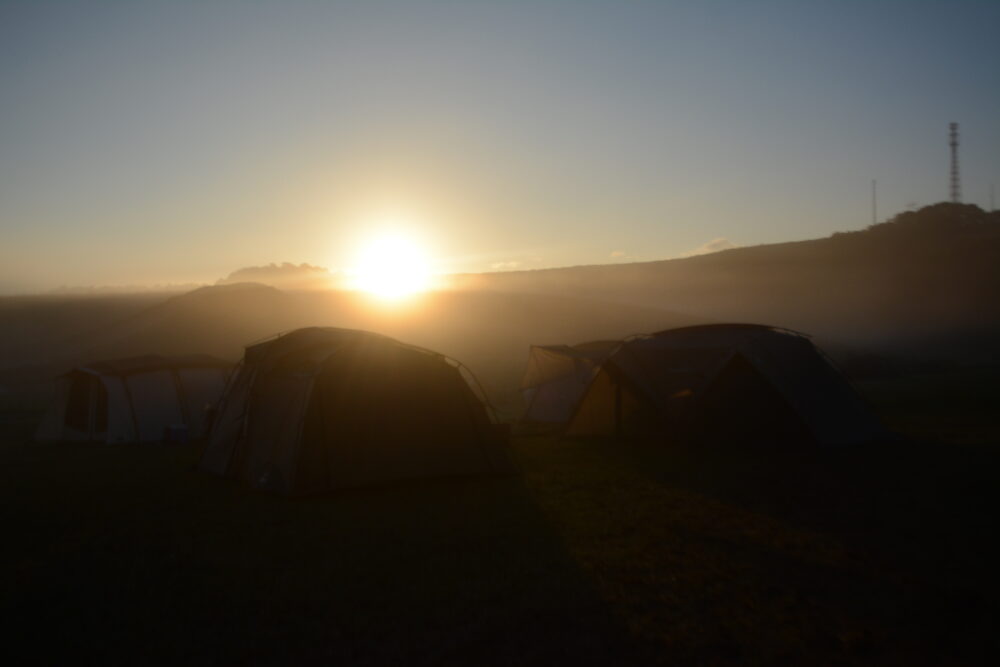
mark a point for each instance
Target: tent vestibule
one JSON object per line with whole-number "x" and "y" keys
{"x": 556, "y": 377}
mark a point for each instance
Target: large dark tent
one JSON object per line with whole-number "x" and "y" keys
{"x": 320, "y": 408}
{"x": 725, "y": 382}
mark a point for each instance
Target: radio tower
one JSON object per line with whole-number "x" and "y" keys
{"x": 956, "y": 184}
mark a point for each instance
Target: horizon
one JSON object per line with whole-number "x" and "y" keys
{"x": 342, "y": 276}
{"x": 175, "y": 143}
{"x": 304, "y": 276}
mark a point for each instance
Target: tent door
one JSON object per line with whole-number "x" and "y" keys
{"x": 98, "y": 411}
{"x": 87, "y": 408}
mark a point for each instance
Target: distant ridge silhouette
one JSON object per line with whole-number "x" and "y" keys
{"x": 928, "y": 274}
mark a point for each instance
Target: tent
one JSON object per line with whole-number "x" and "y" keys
{"x": 556, "y": 377}
{"x": 724, "y": 382}
{"x": 321, "y": 408}
{"x": 139, "y": 399}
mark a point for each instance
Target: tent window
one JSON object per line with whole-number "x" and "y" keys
{"x": 78, "y": 404}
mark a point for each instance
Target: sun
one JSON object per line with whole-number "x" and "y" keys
{"x": 392, "y": 266}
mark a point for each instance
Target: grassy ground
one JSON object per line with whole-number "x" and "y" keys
{"x": 596, "y": 552}
{"x": 822, "y": 559}
{"x": 957, "y": 406}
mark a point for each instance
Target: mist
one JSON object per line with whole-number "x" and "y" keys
{"x": 919, "y": 289}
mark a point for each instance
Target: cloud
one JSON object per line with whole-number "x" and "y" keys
{"x": 715, "y": 245}
{"x": 287, "y": 275}
{"x": 505, "y": 266}
{"x": 621, "y": 256}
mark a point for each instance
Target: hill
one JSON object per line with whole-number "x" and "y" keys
{"x": 209, "y": 320}
{"x": 924, "y": 278}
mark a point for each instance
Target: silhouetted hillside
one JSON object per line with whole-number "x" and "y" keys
{"x": 210, "y": 320}
{"x": 41, "y": 328}
{"x": 924, "y": 276}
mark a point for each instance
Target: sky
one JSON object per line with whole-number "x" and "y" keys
{"x": 174, "y": 142}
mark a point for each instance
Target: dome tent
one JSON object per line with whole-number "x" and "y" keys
{"x": 724, "y": 382}
{"x": 139, "y": 399}
{"x": 318, "y": 409}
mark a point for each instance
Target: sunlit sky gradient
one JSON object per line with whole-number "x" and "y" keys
{"x": 150, "y": 142}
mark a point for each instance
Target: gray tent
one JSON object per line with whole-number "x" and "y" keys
{"x": 320, "y": 408}
{"x": 557, "y": 376}
{"x": 140, "y": 399}
{"x": 725, "y": 381}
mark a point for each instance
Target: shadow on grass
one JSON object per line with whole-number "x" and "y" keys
{"x": 891, "y": 546}
{"x": 126, "y": 555}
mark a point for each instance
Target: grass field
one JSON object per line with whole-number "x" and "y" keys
{"x": 957, "y": 406}
{"x": 595, "y": 552}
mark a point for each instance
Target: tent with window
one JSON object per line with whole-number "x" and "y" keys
{"x": 556, "y": 377}
{"x": 724, "y": 382}
{"x": 321, "y": 408}
{"x": 139, "y": 399}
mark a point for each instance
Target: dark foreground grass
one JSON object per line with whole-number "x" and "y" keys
{"x": 954, "y": 405}
{"x": 596, "y": 553}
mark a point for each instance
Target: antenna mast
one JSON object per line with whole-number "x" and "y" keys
{"x": 874, "y": 203}
{"x": 956, "y": 184}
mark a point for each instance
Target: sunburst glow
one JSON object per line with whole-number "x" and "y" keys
{"x": 392, "y": 267}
